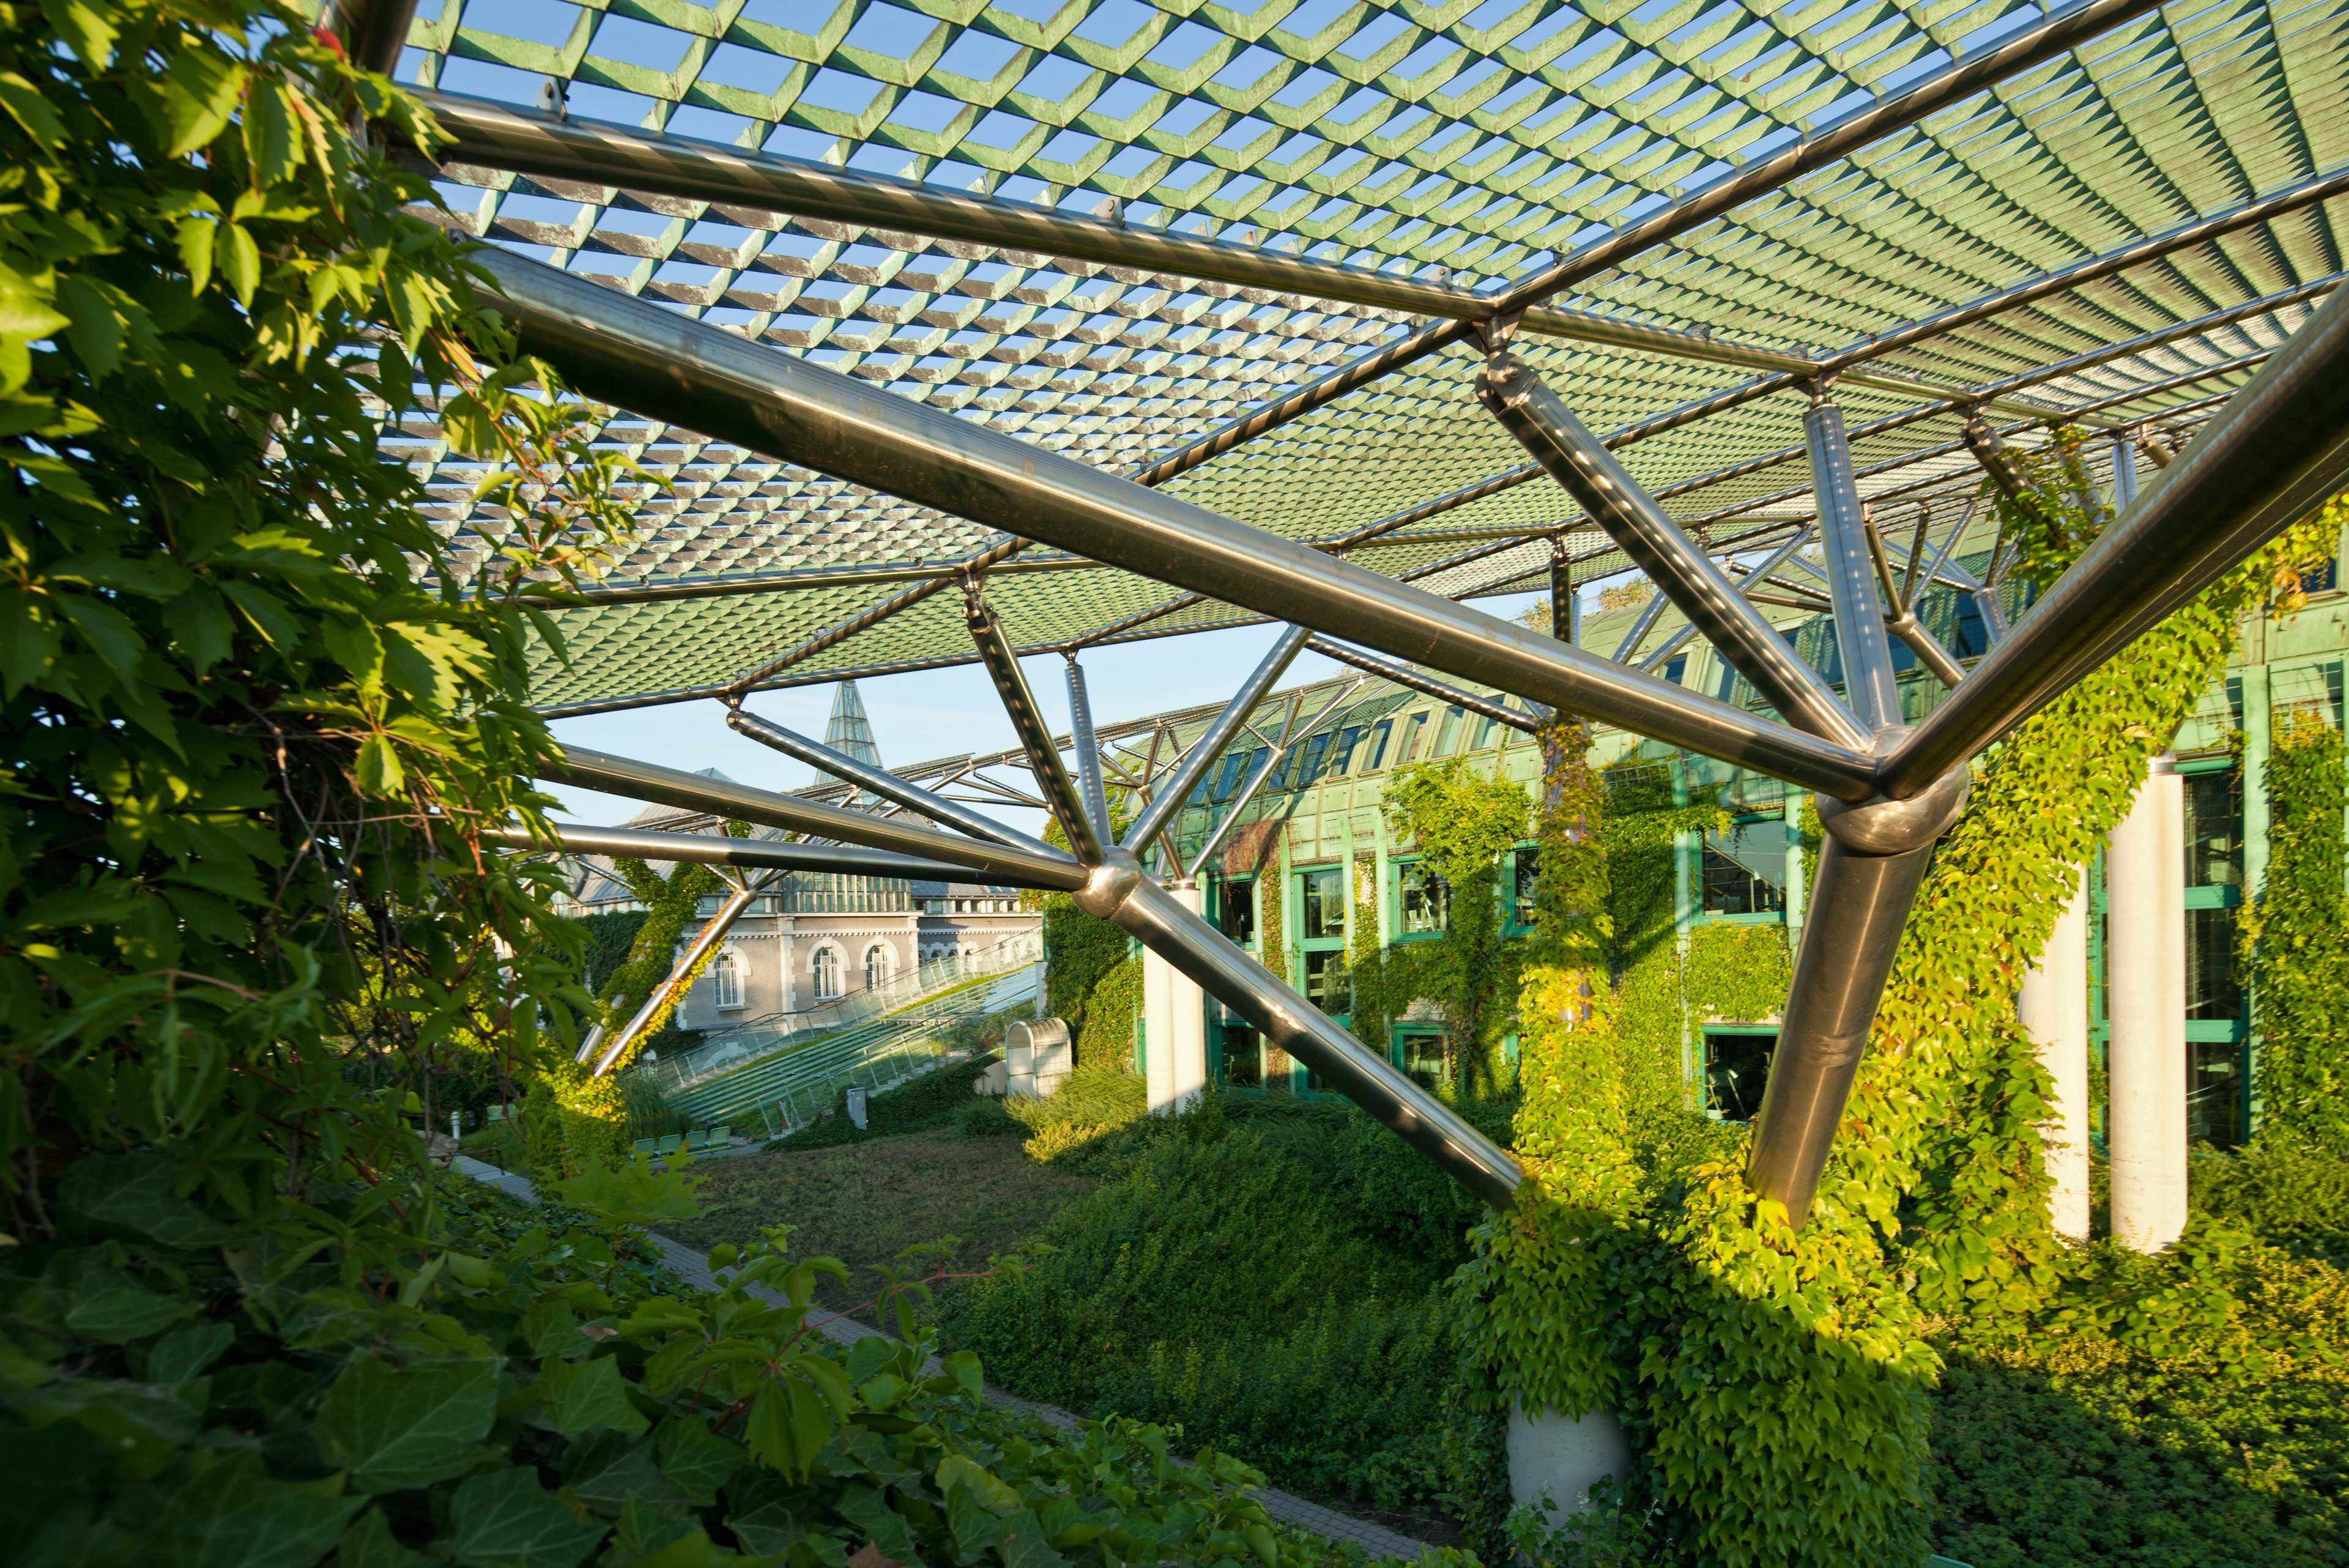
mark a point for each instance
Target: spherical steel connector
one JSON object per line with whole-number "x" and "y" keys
{"x": 1886, "y": 827}
{"x": 1107, "y": 884}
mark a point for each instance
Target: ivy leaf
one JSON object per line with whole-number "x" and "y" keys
{"x": 184, "y": 1353}
{"x": 195, "y": 241}
{"x": 356, "y": 646}
{"x": 200, "y": 92}
{"x": 136, "y": 1191}
{"x": 697, "y": 1460}
{"x": 369, "y": 1543}
{"x": 233, "y": 1515}
{"x": 609, "y": 1467}
{"x": 269, "y": 140}
{"x": 398, "y": 1428}
{"x": 578, "y": 1394}
{"x": 114, "y": 1310}
{"x": 503, "y": 1518}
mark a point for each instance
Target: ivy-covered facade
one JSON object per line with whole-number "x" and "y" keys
{"x": 1316, "y": 876}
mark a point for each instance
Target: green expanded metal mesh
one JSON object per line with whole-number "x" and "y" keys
{"x": 1466, "y": 142}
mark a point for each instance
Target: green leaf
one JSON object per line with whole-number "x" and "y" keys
{"x": 378, "y": 767}
{"x": 369, "y": 1543}
{"x": 195, "y": 241}
{"x": 869, "y": 1511}
{"x": 94, "y": 330}
{"x": 608, "y": 1468}
{"x": 200, "y": 92}
{"x": 115, "y": 1311}
{"x": 395, "y": 1428}
{"x": 1025, "y": 1544}
{"x": 28, "y": 109}
{"x": 29, "y": 641}
{"x": 503, "y": 1518}
{"x": 184, "y": 1353}
{"x": 240, "y": 261}
{"x": 270, "y": 142}
{"x": 697, "y": 1460}
{"x": 136, "y": 1190}
{"x": 87, "y": 28}
{"x": 578, "y": 1394}
{"x": 356, "y": 646}
{"x": 200, "y": 625}
{"x": 26, "y": 307}
{"x": 234, "y": 1515}
{"x": 110, "y": 633}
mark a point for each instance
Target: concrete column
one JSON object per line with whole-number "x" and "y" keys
{"x": 2145, "y": 901}
{"x": 1175, "y": 1025}
{"x": 1554, "y": 1462}
{"x": 2054, "y": 1008}
{"x": 1157, "y": 1031}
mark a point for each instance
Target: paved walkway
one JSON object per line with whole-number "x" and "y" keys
{"x": 1375, "y": 1539}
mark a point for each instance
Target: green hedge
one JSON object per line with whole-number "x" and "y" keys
{"x": 1268, "y": 1274}
{"x": 935, "y": 1100}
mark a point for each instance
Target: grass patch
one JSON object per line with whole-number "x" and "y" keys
{"x": 865, "y": 1202}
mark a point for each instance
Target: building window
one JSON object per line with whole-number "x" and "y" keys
{"x": 1343, "y": 757}
{"x": 1310, "y": 765}
{"x": 1426, "y": 899}
{"x": 876, "y": 966}
{"x": 1235, "y": 912}
{"x": 1378, "y": 734}
{"x": 1525, "y": 885}
{"x": 1447, "y": 734}
{"x": 1737, "y": 1071}
{"x": 1744, "y": 870}
{"x": 1415, "y": 728}
{"x": 1243, "y": 1057}
{"x": 1324, "y": 905}
{"x": 2214, "y": 829}
{"x": 1328, "y": 985}
{"x": 827, "y": 972}
{"x": 1420, "y": 1053}
{"x": 726, "y": 980}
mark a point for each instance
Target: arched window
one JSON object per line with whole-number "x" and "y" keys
{"x": 827, "y": 972}
{"x": 876, "y": 966}
{"x": 726, "y": 980}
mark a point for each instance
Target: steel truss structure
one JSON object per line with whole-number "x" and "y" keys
{"x": 1650, "y": 217}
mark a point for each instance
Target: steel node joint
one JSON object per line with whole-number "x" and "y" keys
{"x": 1884, "y": 826}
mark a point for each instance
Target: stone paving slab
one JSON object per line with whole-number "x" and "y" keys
{"x": 694, "y": 1267}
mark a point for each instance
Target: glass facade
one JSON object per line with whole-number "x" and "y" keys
{"x": 1425, "y": 899}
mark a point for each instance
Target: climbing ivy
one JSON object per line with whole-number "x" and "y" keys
{"x": 1772, "y": 1381}
{"x": 2296, "y": 943}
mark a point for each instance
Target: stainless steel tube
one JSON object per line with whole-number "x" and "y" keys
{"x": 1642, "y": 624}
{"x": 2277, "y": 451}
{"x": 1092, "y": 793}
{"x": 1859, "y": 903}
{"x": 1870, "y": 682}
{"x": 1273, "y": 756}
{"x": 1547, "y": 428}
{"x": 667, "y": 991}
{"x": 1166, "y": 802}
{"x": 713, "y": 850}
{"x": 721, "y": 797}
{"x": 636, "y": 353}
{"x": 1415, "y": 681}
{"x": 1035, "y": 737}
{"x": 1294, "y": 1024}
{"x": 884, "y": 784}
{"x": 1751, "y": 579}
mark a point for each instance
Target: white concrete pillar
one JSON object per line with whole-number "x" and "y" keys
{"x": 2054, "y": 1008}
{"x": 1554, "y": 1462}
{"x": 1174, "y": 1016}
{"x": 1157, "y": 1032}
{"x": 1186, "y": 1008}
{"x": 2145, "y": 1001}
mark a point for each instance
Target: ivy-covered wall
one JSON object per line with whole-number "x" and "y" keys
{"x": 2297, "y": 942}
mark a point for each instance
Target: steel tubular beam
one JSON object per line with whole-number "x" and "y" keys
{"x": 1642, "y": 624}
{"x": 2274, "y": 453}
{"x": 1444, "y": 690}
{"x": 1859, "y": 904}
{"x": 1166, "y": 802}
{"x": 710, "y": 849}
{"x": 1547, "y": 428}
{"x": 884, "y": 784}
{"x": 636, "y": 353}
{"x": 1052, "y": 781}
{"x": 1872, "y": 686}
{"x": 1294, "y": 1024}
{"x": 721, "y": 798}
{"x": 669, "y": 991}
{"x": 1093, "y": 794}
{"x": 1745, "y": 585}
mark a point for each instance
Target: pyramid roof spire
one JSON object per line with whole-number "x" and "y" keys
{"x": 846, "y": 730}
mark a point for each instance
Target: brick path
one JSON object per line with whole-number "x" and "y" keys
{"x": 1374, "y": 1539}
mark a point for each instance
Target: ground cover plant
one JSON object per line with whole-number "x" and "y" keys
{"x": 866, "y": 1201}
{"x": 250, "y": 732}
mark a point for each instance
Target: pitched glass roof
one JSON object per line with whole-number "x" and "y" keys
{"x": 1458, "y": 144}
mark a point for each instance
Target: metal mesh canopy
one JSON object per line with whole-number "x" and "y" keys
{"x": 1456, "y": 145}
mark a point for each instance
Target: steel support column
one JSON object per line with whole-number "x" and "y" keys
{"x": 1165, "y": 804}
{"x": 1698, "y": 588}
{"x": 1870, "y": 682}
{"x": 1092, "y": 793}
{"x": 670, "y": 991}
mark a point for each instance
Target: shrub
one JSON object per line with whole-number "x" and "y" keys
{"x": 2290, "y": 1194}
{"x": 1096, "y": 1100}
{"x": 1265, "y": 1272}
{"x": 936, "y": 1098}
